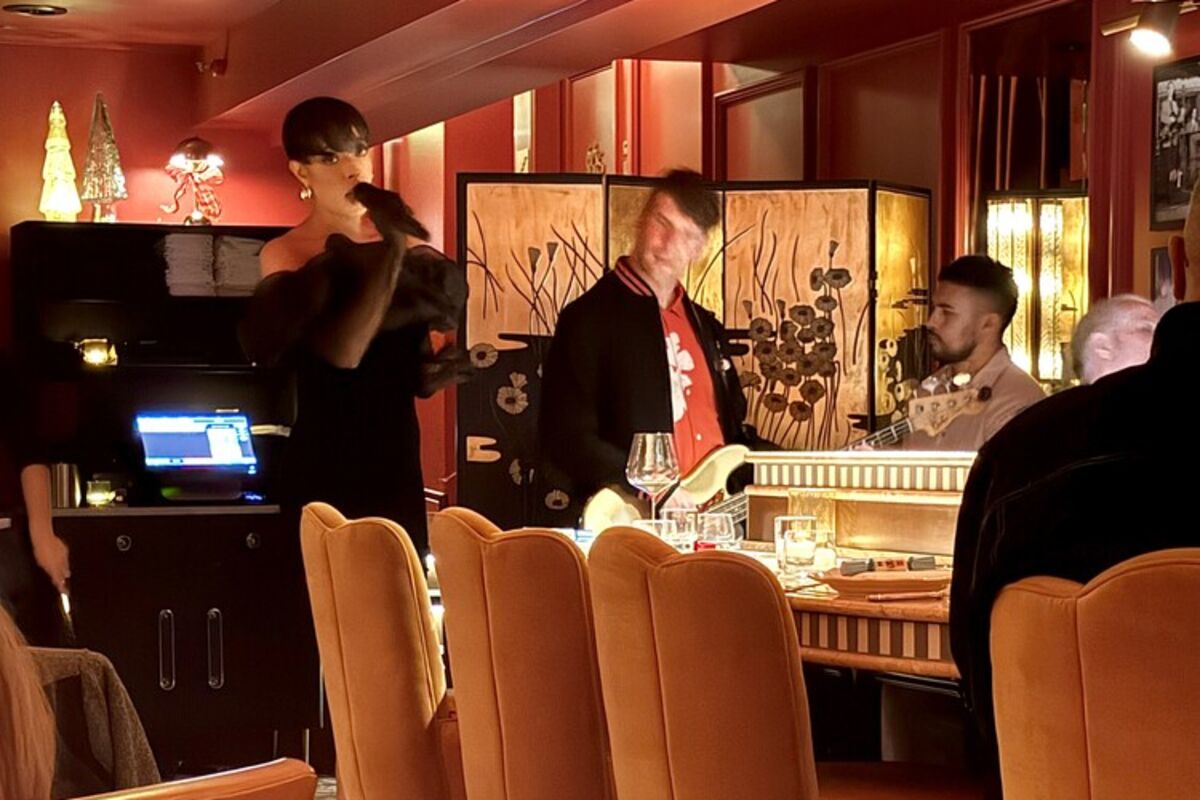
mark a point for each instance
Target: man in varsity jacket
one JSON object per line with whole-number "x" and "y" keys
{"x": 636, "y": 354}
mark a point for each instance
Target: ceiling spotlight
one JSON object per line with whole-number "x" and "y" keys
{"x": 1155, "y": 26}
{"x": 35, "y": 9}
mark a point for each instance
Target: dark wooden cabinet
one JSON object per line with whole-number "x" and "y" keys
{"x": 202, "y": 609}
{"x": 205, "y": 615}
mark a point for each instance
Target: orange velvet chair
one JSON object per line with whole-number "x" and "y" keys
{"x": 282, "y": 779}
{"x": 703, "y": 688}
{"x": 394, "y": 725}
{"x": 1097, "y": 688}
{"x": 520, "y": 635}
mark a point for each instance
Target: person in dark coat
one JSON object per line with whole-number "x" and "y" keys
{"x": 1081, "y": 481}
{"x": 635, "y": 354}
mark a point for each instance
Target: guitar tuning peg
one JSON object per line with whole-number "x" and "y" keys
{"x": 961, "y": 379}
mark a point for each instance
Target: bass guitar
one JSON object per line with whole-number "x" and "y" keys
{"x": 942, "y": 399}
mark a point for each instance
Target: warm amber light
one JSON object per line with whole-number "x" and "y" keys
{"x": 1156, "y": 25}
{"x": 1044, "y": 241}
{"x": 98, "y": 352}
{"x": 1152, "y": 43}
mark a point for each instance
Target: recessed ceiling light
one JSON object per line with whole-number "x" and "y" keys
{"x": 35, "y": 9}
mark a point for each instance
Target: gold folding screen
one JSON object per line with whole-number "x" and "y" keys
{"x": 790, "y": 273}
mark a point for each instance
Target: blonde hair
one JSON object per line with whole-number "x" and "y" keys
{"x": 27, "y": 734}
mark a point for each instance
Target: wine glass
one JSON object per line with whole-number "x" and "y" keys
{"x": 652, "y": 465}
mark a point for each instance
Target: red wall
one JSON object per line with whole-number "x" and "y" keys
{"x": 880, "y": 117}
{"x": 150, "y": 99}
{"x": 414, "y": 166}
{"x": 1119, "y": 150}
{"x": 669, "y": 116}
{"x": 592, "y": 119}
{"x": 481, "y": 141}
{"x": 764, "y": 136}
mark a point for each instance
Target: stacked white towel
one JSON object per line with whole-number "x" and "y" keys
{"x": 189, "y": 258}
{"x": 236, "y": 269}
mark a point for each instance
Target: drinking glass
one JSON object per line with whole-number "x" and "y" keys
{"x": 795, "y": 545}
{"x": 662, "y": 528}
{"x": 652, "y": 465}
{"x": 716, "y": 531}
{"x": 818, "y": 504}
{"x": 100, "y": 493}
{"x": 824, "y": 553}
{"x": 684, "y": 519}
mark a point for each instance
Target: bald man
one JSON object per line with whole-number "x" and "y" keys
{"x": 1115, "y": 334}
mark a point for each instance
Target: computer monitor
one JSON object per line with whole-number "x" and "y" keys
{"x": 208, "y": 442}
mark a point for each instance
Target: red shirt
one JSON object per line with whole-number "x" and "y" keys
{"x": 693, "y": 397}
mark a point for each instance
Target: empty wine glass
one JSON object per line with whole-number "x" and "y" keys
{"x": 652, "y": 465}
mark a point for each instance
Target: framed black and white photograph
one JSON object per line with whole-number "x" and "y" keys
{"x": 1175, "y": 143}
{"x": 1162, "y": 278}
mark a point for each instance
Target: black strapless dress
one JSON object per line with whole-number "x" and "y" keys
{"x": 356, "y": 443}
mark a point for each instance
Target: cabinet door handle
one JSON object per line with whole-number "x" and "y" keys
{"x": 166, "y": 649}
{"x": 216, "y": 649}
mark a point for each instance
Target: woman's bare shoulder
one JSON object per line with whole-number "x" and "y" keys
{"x": 286, "y": 252}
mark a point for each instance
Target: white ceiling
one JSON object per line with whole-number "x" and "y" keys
{"x": 126, "y": 23}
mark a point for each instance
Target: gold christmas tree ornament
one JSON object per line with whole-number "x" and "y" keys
{"x": 103, "y": 178}
{"x": 60, "y": 200}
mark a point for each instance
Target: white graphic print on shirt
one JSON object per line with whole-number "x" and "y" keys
{"x": 679, "y": 363}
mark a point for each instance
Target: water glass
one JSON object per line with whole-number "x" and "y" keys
{"x": 816, "y": 503}
{"x": 662, "y": 528}
{"x": 795, "y": 544}
{"x": 824, "y": 553}
{"x": 684, "y": 519}
{"x": 669, "y": 532}
{"x": 716, "y": 531}
{"x": 100, "y": 493}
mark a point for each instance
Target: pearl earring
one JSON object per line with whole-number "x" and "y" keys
{"x": 306, "y": 193}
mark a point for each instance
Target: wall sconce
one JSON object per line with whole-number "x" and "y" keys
{"x": 1152, "y": 28}
{"x": 97, "y": 352}
{"x": 1044, "y": 239}
{"x": 1155, "y": 27}
{"x": 195, "y": 165}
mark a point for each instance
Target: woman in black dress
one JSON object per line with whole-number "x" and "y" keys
{"x": 350, "y": 306}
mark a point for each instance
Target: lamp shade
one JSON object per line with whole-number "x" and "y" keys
{"x": 1155, "y": 27}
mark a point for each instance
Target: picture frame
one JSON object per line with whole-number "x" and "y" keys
{"x": 1174, "y": 142}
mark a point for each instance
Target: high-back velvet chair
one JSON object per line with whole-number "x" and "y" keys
{"x": 520, "y": 637}
{"x": 282, "y": 779}
{"x": 1096, "y": 687}
{"x": 394, "y": 725}
{"x": 703, "y": 688}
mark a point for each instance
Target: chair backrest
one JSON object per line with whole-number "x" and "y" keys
{"x": 522, "y": 651}
{"x": 1097, "y": 688}
{"x": 392, "y": 727}
{"x": 700, "y": 665}
{"x": 282, "y": 779}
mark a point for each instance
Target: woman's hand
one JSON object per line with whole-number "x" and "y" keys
{"x": 53, "y": 556}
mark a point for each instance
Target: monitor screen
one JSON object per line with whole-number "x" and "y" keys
{"x": 197, "y": 441}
